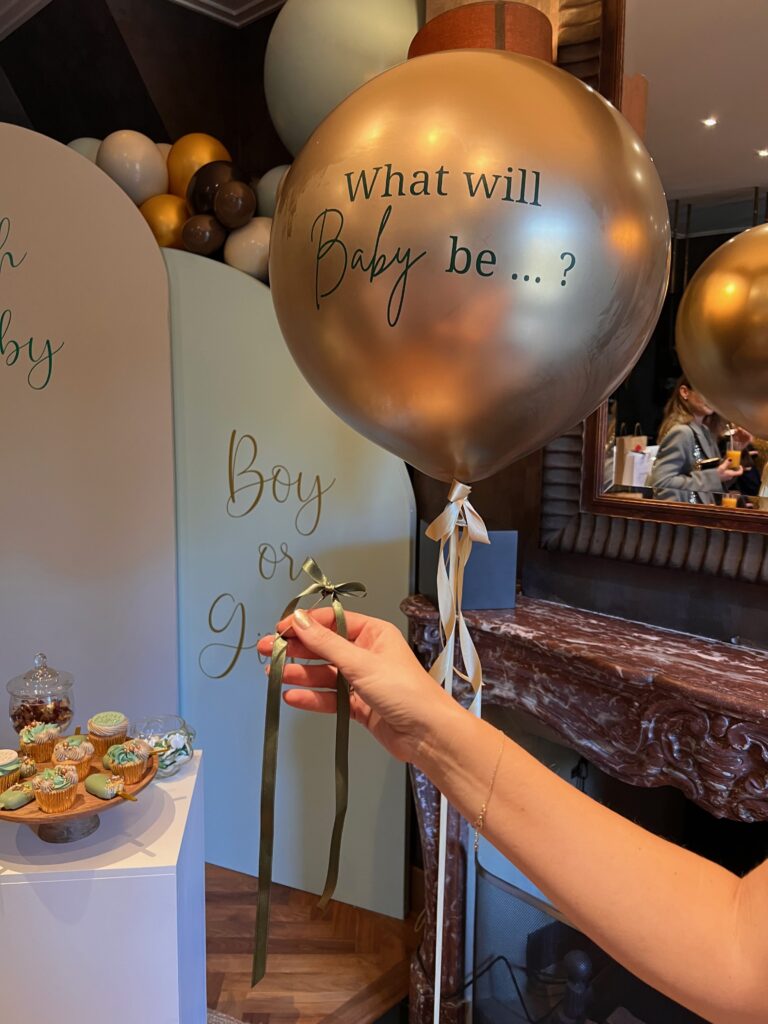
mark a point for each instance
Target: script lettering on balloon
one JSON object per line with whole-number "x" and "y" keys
{"x": 20, "y": 348}
{"x": 335, "y": 260}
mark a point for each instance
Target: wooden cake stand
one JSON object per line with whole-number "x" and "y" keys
{"x": 82, "y": 818}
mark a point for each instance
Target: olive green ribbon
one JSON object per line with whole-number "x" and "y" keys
{"x": 323, "y": 588}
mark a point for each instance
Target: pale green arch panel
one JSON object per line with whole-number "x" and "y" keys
{"x": 241, "y": 409}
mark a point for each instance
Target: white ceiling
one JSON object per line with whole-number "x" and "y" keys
{"x": 702, "y": 58}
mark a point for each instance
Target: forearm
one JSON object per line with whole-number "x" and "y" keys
{"x": 686, "y": 926}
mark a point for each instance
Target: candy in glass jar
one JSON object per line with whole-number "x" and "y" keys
{"x": 41, "y": 695}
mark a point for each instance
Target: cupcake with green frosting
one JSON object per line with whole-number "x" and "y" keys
{"x": 10, "y": 769}
{"x": 28, "y": 768}
{"x": 77, "y": 751}
{"x": 128, "y": 760}
{"x": 56, "y": 788}
{"x": 106, "y": 729}
{"x": 38, "y": 740}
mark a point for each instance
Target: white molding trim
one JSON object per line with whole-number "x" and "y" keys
{"x": 13, "y": 14}
{"x": 235, "y": 13}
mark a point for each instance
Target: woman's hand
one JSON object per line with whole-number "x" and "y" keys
{"x": 399, "y": 703}
{"x": 726, "y": 472}
{"x": 740, "y": 438}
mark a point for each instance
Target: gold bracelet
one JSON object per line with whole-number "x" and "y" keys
{"x": 479, "y": 823}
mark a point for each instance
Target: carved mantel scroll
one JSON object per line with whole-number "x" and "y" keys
{"x": 648, "y": 706}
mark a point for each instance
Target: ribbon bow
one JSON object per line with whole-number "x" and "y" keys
{"x": 458, "y": 526}
{"x": 324, "y": 588}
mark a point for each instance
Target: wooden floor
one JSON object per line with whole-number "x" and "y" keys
{"x": 346, "y": 966}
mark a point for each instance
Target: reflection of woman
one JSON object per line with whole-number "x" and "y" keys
{"x": 685, "y": 925}
{"x": 688, "y": 434}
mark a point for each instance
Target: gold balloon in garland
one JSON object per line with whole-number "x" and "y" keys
{"x": 189, "y": 154}
{"x": 166, "y": 215}
{"x": 468, "y": 256}
{"x": 722, "y": 330}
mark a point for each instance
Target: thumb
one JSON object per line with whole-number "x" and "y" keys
{"x": 327, "y": 645}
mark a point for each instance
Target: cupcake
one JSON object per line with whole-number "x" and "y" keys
{"x": 106, "y": 729}
{"x": 10, "y": 769}
{"x": 28, "y": 768}
{"x": 77, "y": 751}
{"x": 56, "y": 788}
{"x": 128, "y": 760}
{"x": 38, "y": 740}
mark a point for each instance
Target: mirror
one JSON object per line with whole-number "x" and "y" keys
{"x": 695, "y": 76}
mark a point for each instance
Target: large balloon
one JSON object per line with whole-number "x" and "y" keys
{"x": 722, "y": 330}
{"x": 188, "y": 154}
{"x": 468, "y": 257}
{"x": 320, "y": 52}
{"x": 135, "y": 163}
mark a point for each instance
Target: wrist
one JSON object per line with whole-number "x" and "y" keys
{"x": 439, "y": 738}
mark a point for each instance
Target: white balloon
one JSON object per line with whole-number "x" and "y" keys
{"x": 320, "y": 52}
{"x": 86, "y": 147}
{"x": 266, "y": 190}
{"x": 165, "y": 149}
{"x": 134, "y": 162}
{"x": 247, "y": 248}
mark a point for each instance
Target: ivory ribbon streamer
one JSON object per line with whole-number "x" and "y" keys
{"x": 323, "y": 588}
{"x": 456, "y": 528}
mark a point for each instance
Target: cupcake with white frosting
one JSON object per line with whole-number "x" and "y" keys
{"x": 56, "y": 788}
{"x": 106, "y": 729}
{"x": 77, "y": 751}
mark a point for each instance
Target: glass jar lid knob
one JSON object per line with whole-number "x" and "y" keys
{"x": 41, "y": 673}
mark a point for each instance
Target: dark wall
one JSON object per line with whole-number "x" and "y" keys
{"x": 90, "y": 67}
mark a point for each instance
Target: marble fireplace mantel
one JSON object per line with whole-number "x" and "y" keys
{"x": 648, "y": 706}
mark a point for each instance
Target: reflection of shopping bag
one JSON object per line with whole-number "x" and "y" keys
{"x": 637, "y": 468}
{"x": 625, "y": 444}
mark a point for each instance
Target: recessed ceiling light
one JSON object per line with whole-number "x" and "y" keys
{"x": 709, "y": 122}
{"x": 762, "y": 152}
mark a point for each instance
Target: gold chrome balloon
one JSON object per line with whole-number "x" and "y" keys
{"x": 166, "y": 216}
{"x": 722, "y": 330}
{"x": 189, "y": 154}
{"x": 468, "y": 256}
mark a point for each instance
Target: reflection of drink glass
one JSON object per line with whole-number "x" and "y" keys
{"x": 730, "y": 501}
{"x": 735, "y": 457}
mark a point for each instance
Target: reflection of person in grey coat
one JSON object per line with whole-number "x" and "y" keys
{"x": 689, "y": 434}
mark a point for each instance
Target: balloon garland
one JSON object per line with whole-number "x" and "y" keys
{"x": 192, "y": 196}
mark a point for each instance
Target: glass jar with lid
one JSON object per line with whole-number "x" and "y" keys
{"x": 171, "y": 737}
{"x": 41, "y": 695}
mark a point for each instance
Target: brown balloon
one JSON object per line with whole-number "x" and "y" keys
{"x": 166, "y": 215}
{"x": 721, "y": 333}
{"x": 189, "y": 154}
{"x": 468, "y": 256}
{"x": 206, "y": 182}
{"x": 234, "y": 204}
{"x": 203, "y": 235}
